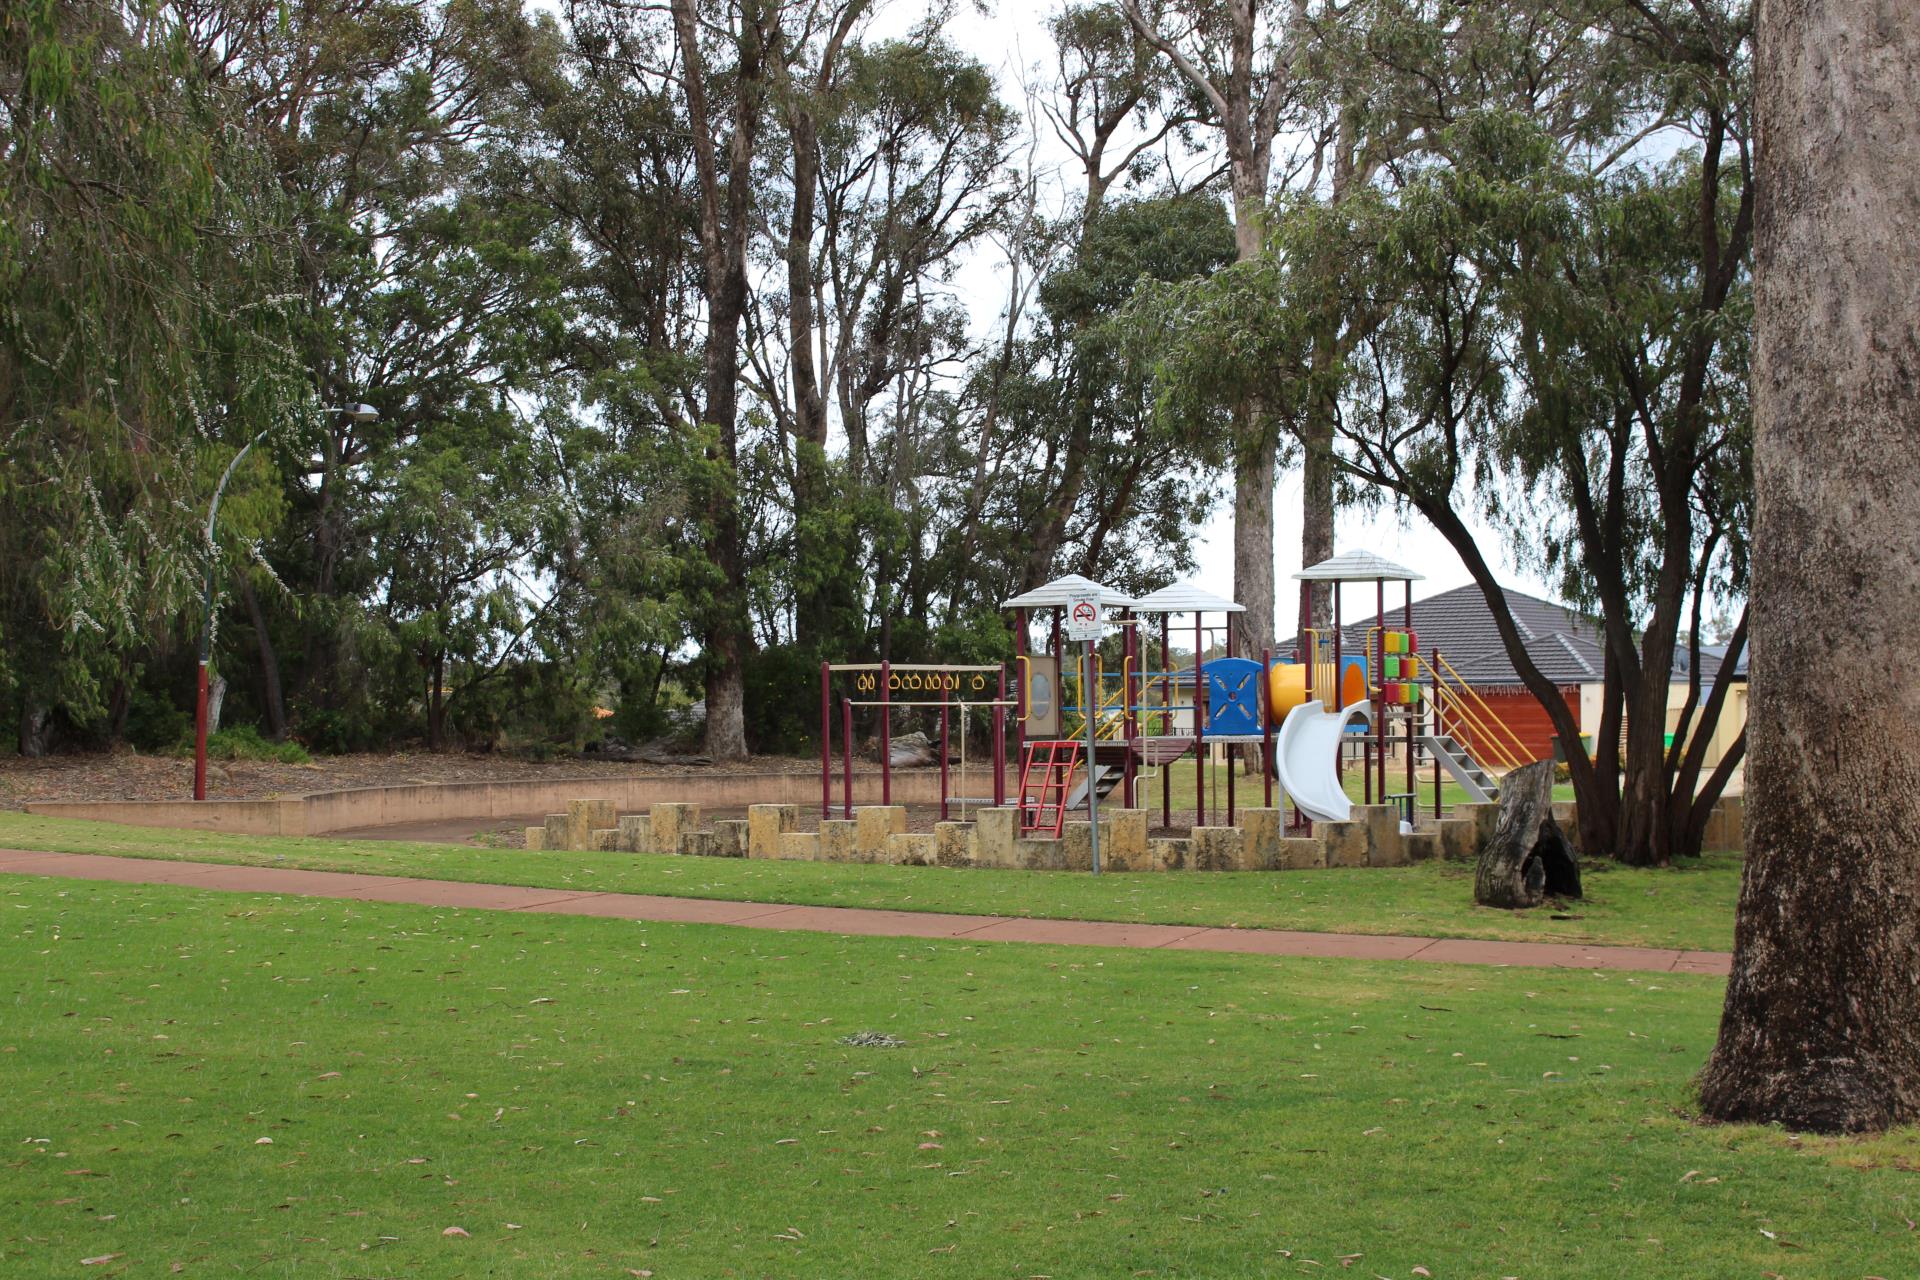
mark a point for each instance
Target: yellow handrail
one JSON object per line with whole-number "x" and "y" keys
{"x": 1324, "y": 671}
{"x": 1491, "y": 728}
{"x": 1115, "y": 726}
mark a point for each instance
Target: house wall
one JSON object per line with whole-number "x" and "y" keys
{"x": 1733, "y": 717}
{"x": 1523, "y": 714}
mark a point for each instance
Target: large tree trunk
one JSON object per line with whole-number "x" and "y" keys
{"x": 1821, "y": 1028}
{"x": 1528, "y": 857}
{"x": 1253, "y": 543}
{"x": 725, "y": 213}
{"x": 273, "y": 696}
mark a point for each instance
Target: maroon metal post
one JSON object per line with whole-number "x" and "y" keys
{"x": 1126, "y": 709}
{"x": 1199, "y": 728}
{"x": 200, "y": 733}
{"x": 1378, "y": 674}
{"x": 1233, "y": 764}
{"x": 943, "y": 748}
{"x": 1166, "y": 715}
{"x": 1021, "y": 712}
{"x": 846, "y": 758}
{"x": 1266, "y": 723}
{"x": 1000, "y": 742}
{"x": 1412, "y": 711}
{"x": 826, "y": 741}
{"x": 1434, "y": 710}
{"x": 886, "y": 733}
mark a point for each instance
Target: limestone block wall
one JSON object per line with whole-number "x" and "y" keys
{"x": 878, "y": 834}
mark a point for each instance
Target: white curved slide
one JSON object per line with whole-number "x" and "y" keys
{"x": 1306, "y": 757}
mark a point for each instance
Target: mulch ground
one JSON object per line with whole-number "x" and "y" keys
{"x": 128, "y": 775}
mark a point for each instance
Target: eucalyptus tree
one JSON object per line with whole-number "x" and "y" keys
{"x": 426, "y": 286}
{"x": 143, "y": 338}
{"x": 1821, "y": 1028}
{"x": 894, "y": 170}
{"x": 1242, "y": 60}
{"x": 1552, "y": 324}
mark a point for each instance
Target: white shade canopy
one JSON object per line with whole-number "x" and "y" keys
{"x": 1357, "y": 566}
{"x": 1184, "y": 597}
{"x": 1063, "y": 591}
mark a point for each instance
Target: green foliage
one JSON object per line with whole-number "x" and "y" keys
{"x": 243, "y": 742}
{"x": 783, "y": 686}
{"x": 143, "y": 337}
{"x": 156, "y": 721}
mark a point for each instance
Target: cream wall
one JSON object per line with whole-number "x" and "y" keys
{"x": 1733, "y": 717}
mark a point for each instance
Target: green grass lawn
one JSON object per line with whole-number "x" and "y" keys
{"x": 1689, "y": 906}
{"x": 1182, "y": 784}
{"x": 222, "y": 1084}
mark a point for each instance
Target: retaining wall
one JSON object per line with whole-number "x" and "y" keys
{"x": 330, "y": 811}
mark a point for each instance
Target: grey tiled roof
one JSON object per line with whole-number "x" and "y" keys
{"x": 1566, "y": 645}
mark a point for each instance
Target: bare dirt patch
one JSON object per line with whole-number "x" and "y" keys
{"x": 127, "y": 775}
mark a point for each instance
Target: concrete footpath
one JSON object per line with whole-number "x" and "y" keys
{"x": 854, "y": 920}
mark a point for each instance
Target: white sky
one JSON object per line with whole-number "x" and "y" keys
{"x": 1010, "y": 36}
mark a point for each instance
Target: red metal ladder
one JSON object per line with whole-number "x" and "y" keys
{"x": 1044, "y": 782}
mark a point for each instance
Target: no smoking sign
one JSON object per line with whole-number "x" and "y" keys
{"x": 1084, "y": 619}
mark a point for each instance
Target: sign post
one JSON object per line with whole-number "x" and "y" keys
{"x": 1085, "y": 623}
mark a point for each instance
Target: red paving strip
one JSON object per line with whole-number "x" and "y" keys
{"x": 463, "y": 895}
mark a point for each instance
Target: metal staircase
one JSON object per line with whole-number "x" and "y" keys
{"x": 1475, "y": 781}
{"x": 1105, "y": 778}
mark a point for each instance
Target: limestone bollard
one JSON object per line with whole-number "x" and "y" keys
{"x": 839, "y": 840}
{"x": 799, "y": 846}
{"x": 730, "y": 838}
{"x": 605, "y": 839}
{"x": 1422, "y": 846}
{"x": 1218, "y": 849}
{"x": 766, "y": 823}
{"x": 584, "y": 817}
{"x": 1301, "y": 853}
{"x": 1346, "y": 843}
{"x": 1485, "y": 817}
{"x": 1262, "y": 831}
{"x": 695, "y": 844}
{"x": 953, "y": 844}
{"x": 994, "y": 833}
{"x": 910, "y": 849}
{"x": 875, "y": 825}
{"x": 636, "y": 833}
{"x": 1168, "y": 854}
{"x": 669, "y": 820}
{"x": 1040, "y": 855}
{"x": 556, "y": 832}
{"x": 536, "y": 839}
{"x": 1457, "y": 839}
{"x": 1076, "y": 845}
{"x": 1384, "y": 845}
{"x": 1123, "y": 839}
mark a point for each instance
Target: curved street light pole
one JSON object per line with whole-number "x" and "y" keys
{"x": 359, "y": 413}
{"x": 206, "y": 628}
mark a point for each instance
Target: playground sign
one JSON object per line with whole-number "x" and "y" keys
{"x": 1084, "y": 620}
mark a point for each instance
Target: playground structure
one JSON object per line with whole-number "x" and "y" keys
{"x": 1111, "y": 719}
{"x": 1386, "y": 698}
{"x": 1136, "y": 711}
{"x": 960, "y": 688}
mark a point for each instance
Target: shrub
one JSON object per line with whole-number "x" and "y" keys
{"x": 243, "y": 742}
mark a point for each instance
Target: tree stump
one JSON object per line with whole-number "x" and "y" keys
{"x": 1529, "y": 856}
